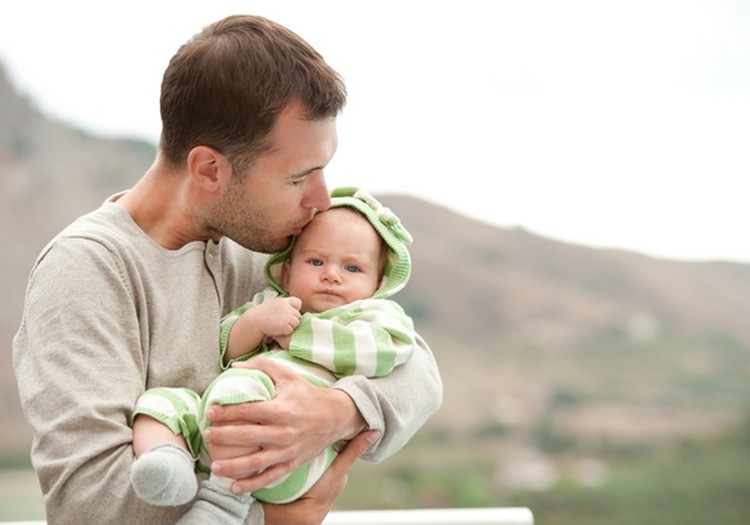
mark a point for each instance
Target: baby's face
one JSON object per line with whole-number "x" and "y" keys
{"x": 336, "y": 260}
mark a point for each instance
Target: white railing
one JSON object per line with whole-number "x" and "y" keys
{"x": 482, "y": 516}
{"x": 488, "y": 516}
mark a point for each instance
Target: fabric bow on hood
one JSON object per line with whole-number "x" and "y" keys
{"x": 386, "y": 223}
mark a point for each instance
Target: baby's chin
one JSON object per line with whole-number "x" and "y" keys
{"x": 323, "y": 303}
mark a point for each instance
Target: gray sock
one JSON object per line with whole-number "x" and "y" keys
{"x": 164, "y": 476}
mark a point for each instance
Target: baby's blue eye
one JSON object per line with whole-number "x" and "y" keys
{"x": 353, "y": 268}
{"x": 316, "y": 262}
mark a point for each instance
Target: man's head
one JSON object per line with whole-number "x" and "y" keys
{"x": 249, "y": 115}
{"x": 227, "y": 85}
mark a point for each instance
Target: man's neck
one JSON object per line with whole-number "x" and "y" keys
{"x": 156, "y": 204}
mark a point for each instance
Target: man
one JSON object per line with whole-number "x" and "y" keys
{"x": 129, "y": 296}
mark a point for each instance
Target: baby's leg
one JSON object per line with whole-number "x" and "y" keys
{"x": 164, "y": 433}
{"x": 149, "y": 432}
{"x": 295, "y": 484}
{"x": 232, "y": 387}
{"x": 241, "y": 385}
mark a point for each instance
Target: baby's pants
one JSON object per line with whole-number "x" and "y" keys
{"x": 183, "y": 411}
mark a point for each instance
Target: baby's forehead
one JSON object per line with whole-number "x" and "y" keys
{"x": 340, "y": 219}
{"x": 335, "y": 220}
{"x": 343, "y": 216}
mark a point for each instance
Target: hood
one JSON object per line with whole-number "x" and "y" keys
{"x": 386, "y": 223}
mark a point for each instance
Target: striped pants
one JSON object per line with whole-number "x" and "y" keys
{"x": 183, "y": 411}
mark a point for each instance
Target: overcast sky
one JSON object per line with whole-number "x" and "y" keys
{"x": 606, "y": 123}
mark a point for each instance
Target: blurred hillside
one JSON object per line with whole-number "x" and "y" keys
{"x": 563, "y": 365}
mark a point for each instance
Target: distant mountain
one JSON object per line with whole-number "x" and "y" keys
{"x": 509, "y": 278}
{"x": 49, "y": 174}
{"x": 598, "y": 344}
{"x": 542, "y": 342}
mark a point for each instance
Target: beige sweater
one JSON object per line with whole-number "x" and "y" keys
{"x": 109, "y": 313}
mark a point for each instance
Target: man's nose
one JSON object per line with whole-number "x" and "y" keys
{"x": 318, "y": 197}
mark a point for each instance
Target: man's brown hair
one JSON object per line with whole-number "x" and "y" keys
{"x": 226, "y": 86}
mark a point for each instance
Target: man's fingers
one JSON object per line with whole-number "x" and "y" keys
{"x": 258, "y": 480}
{"x": 333, "y": 482}
{"x": 354, "y": 450}
{"x": 240, "y": 414}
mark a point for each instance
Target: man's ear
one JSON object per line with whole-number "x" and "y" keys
{"x": 208, "y": 168}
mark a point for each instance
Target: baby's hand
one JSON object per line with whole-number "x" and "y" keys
{"x": 283, "y": 341}
{"x": 280, "y": 316}
{"x": 272, "y": 319}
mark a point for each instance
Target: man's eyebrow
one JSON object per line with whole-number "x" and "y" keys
{"x": 305, "y": 173}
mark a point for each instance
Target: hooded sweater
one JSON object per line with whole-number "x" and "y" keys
{"x": 368, "y": 337}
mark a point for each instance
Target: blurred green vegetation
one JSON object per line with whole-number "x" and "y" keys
{"x": 697, "y": 482}
{"x": 678, "y": 481}
{"x": 20, "y": 496}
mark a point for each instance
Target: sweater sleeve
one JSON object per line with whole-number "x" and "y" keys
{"x": 368, "y": 338}
{"x": 79, "y": 367}
{"x": 397, "y": 404}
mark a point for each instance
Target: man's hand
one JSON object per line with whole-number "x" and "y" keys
{"x": 313, "y": 507}
{"x": 279, "y": 435}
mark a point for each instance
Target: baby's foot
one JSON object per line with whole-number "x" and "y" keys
{"x": 164, "y": 476}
